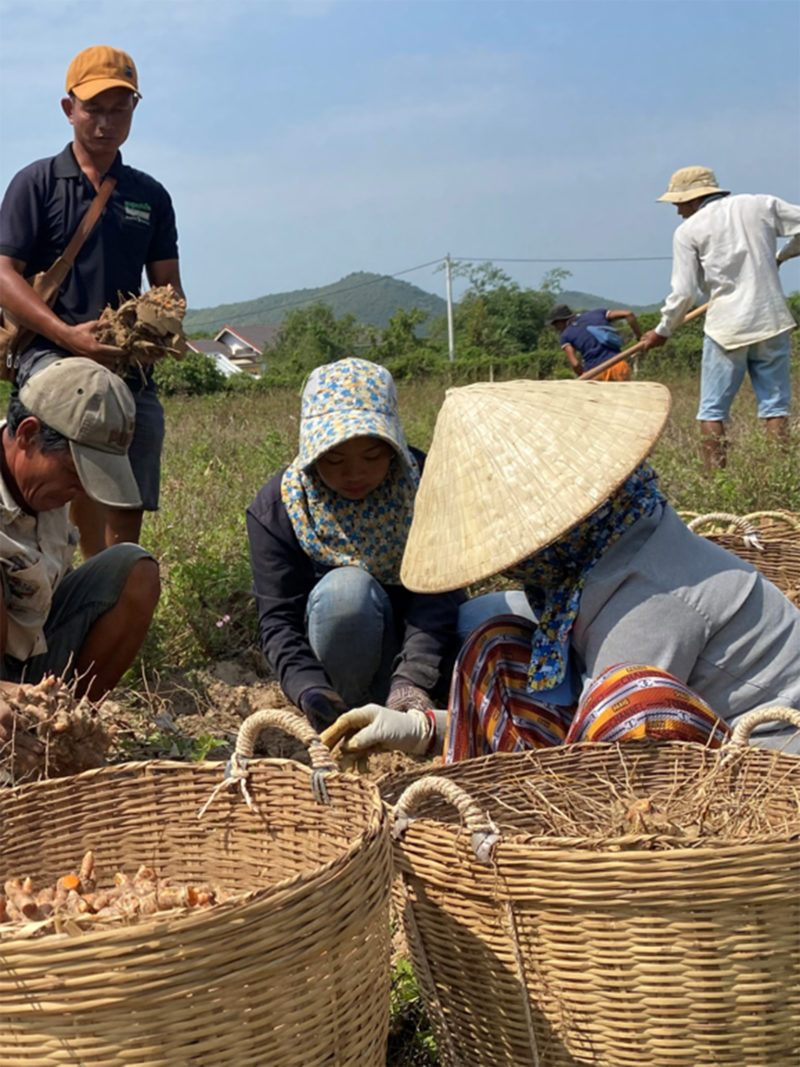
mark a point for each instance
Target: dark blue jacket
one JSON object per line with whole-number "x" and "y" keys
{"x": 284, "y": 576}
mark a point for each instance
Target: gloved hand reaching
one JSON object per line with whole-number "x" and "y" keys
{"x": 380, "y": 729}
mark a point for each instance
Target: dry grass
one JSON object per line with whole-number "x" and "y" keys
{"x": 221, "y": 449}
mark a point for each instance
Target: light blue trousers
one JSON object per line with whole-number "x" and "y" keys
{"x": 352, "y": 632}
{"x": 481, "y": 608}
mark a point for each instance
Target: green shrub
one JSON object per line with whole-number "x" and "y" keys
{"x": 194, "y": 375}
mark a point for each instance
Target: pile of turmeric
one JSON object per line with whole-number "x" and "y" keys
{"x": 75, "y": 896}
{"x": 147, "y": 328}
{"x": 72, "y": 737}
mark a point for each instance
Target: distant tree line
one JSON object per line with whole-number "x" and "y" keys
{"x": 500, "y": 330}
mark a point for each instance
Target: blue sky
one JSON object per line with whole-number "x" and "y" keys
{"x": 303, "y": 141}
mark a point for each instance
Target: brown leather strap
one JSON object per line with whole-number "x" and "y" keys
{"x": 86, "y": 224}
{"x": 49, "y": 283}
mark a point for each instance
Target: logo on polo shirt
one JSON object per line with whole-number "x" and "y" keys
{"x": 137, "y": 212}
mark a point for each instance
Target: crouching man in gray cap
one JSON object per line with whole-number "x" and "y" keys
{"x": 67, "y": 433}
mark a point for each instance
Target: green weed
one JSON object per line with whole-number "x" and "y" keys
{"x": 411, "y": 1041}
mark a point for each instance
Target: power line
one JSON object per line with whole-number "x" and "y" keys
{"x": 301, "y": 300}
{"x": 564, "y": 259}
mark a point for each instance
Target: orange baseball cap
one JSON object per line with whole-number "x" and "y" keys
{"x": 99, "y": 68}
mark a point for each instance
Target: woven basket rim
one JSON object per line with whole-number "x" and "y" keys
{"x": 484, "y": 774}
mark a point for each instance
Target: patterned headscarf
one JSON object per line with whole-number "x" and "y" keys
{"x": 342, "y": 400}
{"x": 554, "y": 578}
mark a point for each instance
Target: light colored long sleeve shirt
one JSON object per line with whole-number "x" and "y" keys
{"x": 727, "y": 250}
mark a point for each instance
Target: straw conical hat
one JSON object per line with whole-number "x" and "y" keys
{"x": 514, "y": 465}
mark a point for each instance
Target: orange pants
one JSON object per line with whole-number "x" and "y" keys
{"x": 620, "y": 372}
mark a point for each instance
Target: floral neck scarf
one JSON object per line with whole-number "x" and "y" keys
{"x": 369, "y": 533}
{"x": 554, "y": 578}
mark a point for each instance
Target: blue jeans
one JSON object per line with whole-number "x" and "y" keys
{"x": 78, "y": 602}
{"x": 723, "y": 371}
{"x": 352, "y": 632}
{"x": 481, "y": 608}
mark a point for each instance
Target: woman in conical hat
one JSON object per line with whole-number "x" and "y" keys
{"x": 637, "y": 626}
{"x": 327, "y": 536}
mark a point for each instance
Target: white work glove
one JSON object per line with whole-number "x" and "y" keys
{"x": 382, "y": 729}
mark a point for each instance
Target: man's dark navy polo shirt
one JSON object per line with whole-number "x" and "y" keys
{"x": 41, "y": 210}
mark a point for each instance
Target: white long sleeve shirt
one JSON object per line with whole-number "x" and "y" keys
{"x": 727, "y": 249}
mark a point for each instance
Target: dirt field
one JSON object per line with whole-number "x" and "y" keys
{"x": 198, "y": 714}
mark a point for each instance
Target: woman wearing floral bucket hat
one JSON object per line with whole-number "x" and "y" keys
{"x": 326, "y": 541}
{"x": 639, "y": 626}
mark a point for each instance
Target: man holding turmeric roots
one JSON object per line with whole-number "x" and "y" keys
{"x": 136, "y": 232}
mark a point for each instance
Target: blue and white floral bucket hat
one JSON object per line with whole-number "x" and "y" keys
{"x": 346, "y": 399}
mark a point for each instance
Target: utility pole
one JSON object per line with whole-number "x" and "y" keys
{"x": 450, "y": 343}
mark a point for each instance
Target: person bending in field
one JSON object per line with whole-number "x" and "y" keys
{"x": 636, "y": 627}
{"x": 67, "y": 431}
{"x": 588, "y": 339}
{"x": 327, "y": 535}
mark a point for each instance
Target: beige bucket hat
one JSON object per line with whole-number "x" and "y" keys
{"x": 689, "y": 183}
{"x": 513, "y": 465}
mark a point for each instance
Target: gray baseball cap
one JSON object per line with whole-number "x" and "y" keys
{"x": 94, "y": 409}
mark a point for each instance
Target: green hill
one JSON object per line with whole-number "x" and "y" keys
{"x": 371, "y": 298}
{"x": 588, "y": 302}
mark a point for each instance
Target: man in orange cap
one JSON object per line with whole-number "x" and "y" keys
{"x": 41, "y": 210}
{"x": 726, "y": 246}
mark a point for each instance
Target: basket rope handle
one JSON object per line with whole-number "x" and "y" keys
{"x": 748, "y": 722}
{"x": 291, "y": 723}
{"x": 789, "y": 517}
{"x": 741, "y": 524}
{"x": 237, "y": 771}
{"x": 484, "y": 835}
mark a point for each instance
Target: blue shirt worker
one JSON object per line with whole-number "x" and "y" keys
{"x": 588, "y": 339}
{"x": 136, "y": 232}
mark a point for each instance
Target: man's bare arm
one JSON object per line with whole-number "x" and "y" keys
{"x": 572, "y": 358}
{"x": 624, "y": 313}
{"x": 165, "y": 272}
{"x": 21, "y": 301}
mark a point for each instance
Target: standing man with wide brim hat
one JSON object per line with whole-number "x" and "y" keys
{"x": 136, "y": 232}
{"x": 547, "y": 484}
{"x": 726, "y": 246}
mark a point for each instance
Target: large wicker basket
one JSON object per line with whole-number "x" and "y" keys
{"x": 291, "y": 971}
{"x": 534, "y": 950}
{"x": 770, "y": 540}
